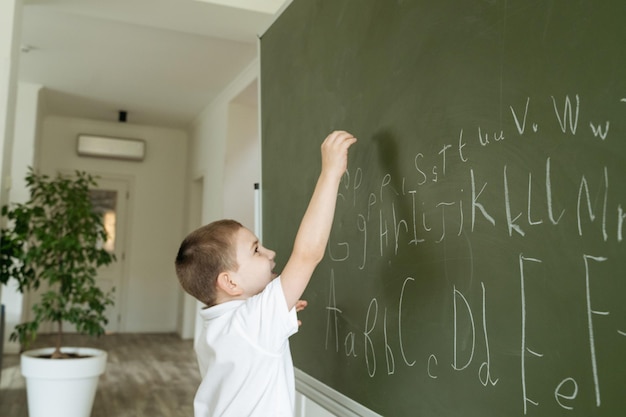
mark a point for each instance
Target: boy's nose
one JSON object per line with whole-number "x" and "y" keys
{"x": 270, "y": 254}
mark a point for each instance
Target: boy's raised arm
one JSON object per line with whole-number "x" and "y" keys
{"x": 312, "y": 236}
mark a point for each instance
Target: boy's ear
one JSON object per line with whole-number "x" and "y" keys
{"x": 227, "y": 284}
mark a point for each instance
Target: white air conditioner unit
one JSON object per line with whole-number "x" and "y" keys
{"x": 116, "y": 148}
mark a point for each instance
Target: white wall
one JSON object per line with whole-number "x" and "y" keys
{"x": 156, "y": 213}
{"x": 242, "y": 167}
{"x": 10, "y": 12}
{"x": 209, "y": 141}
{"x": 27, "y": 110}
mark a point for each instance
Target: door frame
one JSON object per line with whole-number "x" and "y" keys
{"x": 125, "y": 235}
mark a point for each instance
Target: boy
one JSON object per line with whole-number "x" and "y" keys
{"x": 243, "y": 351}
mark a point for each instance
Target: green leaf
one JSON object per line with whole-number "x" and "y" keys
{"x": 52, "y": 239}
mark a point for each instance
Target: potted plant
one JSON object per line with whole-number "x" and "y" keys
{"x": 53, "y": 243}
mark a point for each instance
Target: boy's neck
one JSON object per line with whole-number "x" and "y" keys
{"x": 223, "y": 297}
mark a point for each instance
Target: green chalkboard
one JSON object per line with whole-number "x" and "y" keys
{"x": 477, "y": 263}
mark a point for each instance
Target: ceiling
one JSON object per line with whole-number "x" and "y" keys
{"x": 161, "y": 61}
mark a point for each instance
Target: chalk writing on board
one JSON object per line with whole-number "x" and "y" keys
{"x": 391, "y": 217}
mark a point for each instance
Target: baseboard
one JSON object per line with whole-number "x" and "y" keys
{"x": 330, "y": 399}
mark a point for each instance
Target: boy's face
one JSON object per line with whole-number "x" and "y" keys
{"x": 256, "y": 263}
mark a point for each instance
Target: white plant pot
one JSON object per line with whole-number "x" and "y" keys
{"x": 62, "y": 387}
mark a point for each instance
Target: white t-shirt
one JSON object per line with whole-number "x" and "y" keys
{"x": 244, "y": 357}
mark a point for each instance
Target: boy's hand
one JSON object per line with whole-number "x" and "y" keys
{"x": 335, "y": 152}
{"x": 300, "y": 305}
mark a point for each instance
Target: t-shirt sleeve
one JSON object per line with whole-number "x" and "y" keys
{"x": 265, "y": 319}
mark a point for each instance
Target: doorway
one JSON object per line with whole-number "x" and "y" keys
{"x": 111, "y": 200}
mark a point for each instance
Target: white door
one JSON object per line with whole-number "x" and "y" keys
{"x": 111, "y": 199}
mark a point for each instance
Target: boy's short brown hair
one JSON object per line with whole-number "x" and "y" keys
{"x": 203, "y": 255}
